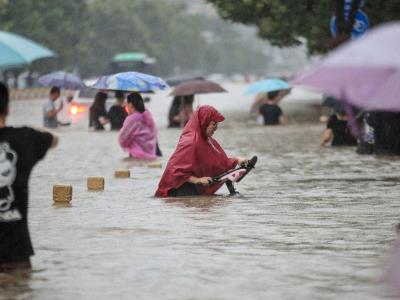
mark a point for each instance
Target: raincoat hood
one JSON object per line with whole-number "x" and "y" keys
{"x": 201, "y": 119}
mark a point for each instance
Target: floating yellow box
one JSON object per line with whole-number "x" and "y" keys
{"x": 122, "y": 174}
{"x": 62, "y": 193}
{"x": 95, "y": 183}
{"x": 155, "y": 165}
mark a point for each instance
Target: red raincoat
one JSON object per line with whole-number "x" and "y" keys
{"x": 196, "y": 155}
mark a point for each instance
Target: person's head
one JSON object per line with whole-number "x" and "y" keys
{"x": 70, "y": 98}
{"x": 339, "y": 110}
{"x": 135, "y": 103}
{"x": 4, "y": 100}
{"x": 187, "y": 105}
{"x": 273, "y": 96}
{"x": 120, "y": 96}
{"x": 188, "y": 100}
{"x": 100, "y": 99}
{"x": 54, "y": 93}
{"x": 209, "y": 118}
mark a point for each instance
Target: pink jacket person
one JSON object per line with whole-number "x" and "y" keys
{"x": 138, "y": 135}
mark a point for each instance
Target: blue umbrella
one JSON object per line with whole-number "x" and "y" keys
{"x": 130, "y": 82}
{"x": 268, "y": 85}
{"x": 17, "y": 51}
{"x": 62, "y": 80}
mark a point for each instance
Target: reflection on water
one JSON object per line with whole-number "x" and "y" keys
{"x": 15, "y": 284}
{"x": 309, "y": 223}
{"x": 61, "y": 205}
{"x": 204, "y": 202}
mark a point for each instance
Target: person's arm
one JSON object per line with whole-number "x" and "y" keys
{"x": 201, "y": 180}
{"x": 55, "y": 141}
{"x": 260, "y": 117}
{"x": 52, "y": 113}
{"x": 256, "y": 104}
{"x": 260, "y": 120}
{"x": 282, "y": 120}
{"x": 127, "y": 132}
{"x": 42, "y": 141}
{"x": 281, "y": 116}
{"x": 103, "y": 120}
{"x": 326, "y": 137}
{"x": 54, "y": 138}
{"x": 206, "y": 180}
{"x": 282, "y": 94}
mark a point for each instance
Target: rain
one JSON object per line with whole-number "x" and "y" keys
{"x": 199, "y": 149}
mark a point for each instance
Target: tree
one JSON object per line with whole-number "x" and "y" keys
{"x": 56, "y": 24}
{"x": 287, "y": 22}
{"x": 87, "y": 34}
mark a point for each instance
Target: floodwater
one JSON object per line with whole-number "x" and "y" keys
{"x": 309, "y": 223}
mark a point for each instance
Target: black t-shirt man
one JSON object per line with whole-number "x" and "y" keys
{"x": 20, "y": 150}
{"x": 117, "y": 115}
{"x": 271, "y": 113}
{"x": 341, "y": 132}
{"x": 386, "y": 132}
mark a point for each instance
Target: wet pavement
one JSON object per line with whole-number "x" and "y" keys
{"x": 309, "y": 223}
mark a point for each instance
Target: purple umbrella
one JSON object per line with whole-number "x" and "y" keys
{"x": 62, "y": 79}
{"x": 364, "y": 72}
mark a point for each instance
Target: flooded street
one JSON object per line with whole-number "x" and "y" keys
{"x": 309, "y": 223}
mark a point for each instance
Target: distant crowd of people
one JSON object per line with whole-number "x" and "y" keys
{"x": 373, "y": 132}
{"x": 138, "y": 133}
{"x": 378, "y": 131}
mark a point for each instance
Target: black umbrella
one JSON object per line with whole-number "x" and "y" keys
{"x": 197, "y": 87}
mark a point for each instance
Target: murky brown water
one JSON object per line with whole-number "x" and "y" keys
{"x": 310, "y": 223}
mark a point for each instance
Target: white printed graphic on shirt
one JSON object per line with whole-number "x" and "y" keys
{"x": 8, "y": 172}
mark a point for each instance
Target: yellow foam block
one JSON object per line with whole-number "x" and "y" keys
{"x": 154, "y": 165}
{"x": 62, "y": 193}
{"x": 122, "y": 174}
{"x": 95, "y": 183}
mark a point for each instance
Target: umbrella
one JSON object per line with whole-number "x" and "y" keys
{"x": 364, "y": 72}
{"x": 197, "y": 87}
{"x": 130, "y": 82}
{"x": 63, "y": 80}
{"x": 268, "y": 85}
{"x": 174, "y": 81}
{"x": 18, "y": 51}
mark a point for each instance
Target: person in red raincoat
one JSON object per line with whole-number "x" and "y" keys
{"x": 197, "y": 158}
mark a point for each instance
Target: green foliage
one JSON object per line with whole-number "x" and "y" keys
{"x": 86, "y": 34}
{"x": 285, "y": 22}
{"x": 55, "y": 23}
